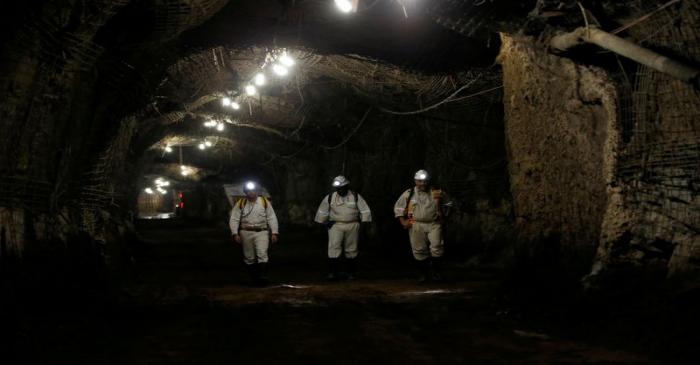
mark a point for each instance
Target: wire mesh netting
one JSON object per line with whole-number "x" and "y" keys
{"x": 660, "y": 117}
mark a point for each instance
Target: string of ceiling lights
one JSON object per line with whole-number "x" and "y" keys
{"x": 160, "y": 183}
{"x": 277, "y": 64}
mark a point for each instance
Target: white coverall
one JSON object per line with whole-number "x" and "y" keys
{"x": 347, "y": 212}
{"x": 252, "y": 223}
{"x": 425, "y": 233}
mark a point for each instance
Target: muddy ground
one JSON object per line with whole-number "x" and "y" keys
{"x": 187, "y": 301}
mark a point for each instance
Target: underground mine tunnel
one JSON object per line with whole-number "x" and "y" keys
{"x": 350, "y": 182}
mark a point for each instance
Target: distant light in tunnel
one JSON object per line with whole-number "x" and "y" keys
{"x": 210, "y": 123}
{"x": 202, "y": 146}
{"x": 260, "y": 79}
{"x": 250, "y": 90}
{"x": 226, "y": 101}
{"x": 286, "y": 60}
{"x": 207, "y": 143}
{"x": 148, "y": 190}
{"x": 168, "y": 149}
{"x": 235, "y": 105}
{"x": 161, "y": 190}
{"x": 344, "y": 5}
{"x": 280, "y": 70}
{"x": 220, "y": 127}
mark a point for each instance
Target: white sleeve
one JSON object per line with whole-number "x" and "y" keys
{"x": 272, "y": 219}
{"x": 323, "y": 210}
{"x": 365, "y": 212}
{"x": 235, "y": 220}
{"x": 400, "y": 206}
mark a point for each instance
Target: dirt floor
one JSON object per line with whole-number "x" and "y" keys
{"x": 188, "y": 302}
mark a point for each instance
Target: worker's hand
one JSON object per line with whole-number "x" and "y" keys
{"x": 406, "y": 223}
{"x": 237, "y": 238}
{"x": 275, "y": 237}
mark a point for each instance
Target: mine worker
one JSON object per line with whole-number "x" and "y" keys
{"x": 342, "y": 212}
{"x": 421, "y": 210}
{"x": 252, "y": 219}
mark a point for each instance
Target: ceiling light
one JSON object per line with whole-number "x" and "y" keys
{"x": 235, "y": 105}
{"x": 162, "y": 191}
{"x": 220, "y": 127}
{"x": 202, "y": 146}
{"x": 250, "y": 90}
{"x": 279, "y": 69}
{"x": 344, "y": 5}
{"x": 168, "y": 149}
{"x": 286, "y": 60}
{"x": 260, "y": 79}
{"x": 207, "y": 143}
{"x": 185, "y": 172}
{"x": 148, "y": 190}
{"x": 226, "y": 101}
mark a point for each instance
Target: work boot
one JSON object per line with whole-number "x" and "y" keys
{"x": 352, "y": 268}
{"x": 262, "y": 274}
{"x": 423, "y": 270}
{"x": 436, "y": 265}
{"x": 332, "y": 269}
{"x": 253, "y": 273}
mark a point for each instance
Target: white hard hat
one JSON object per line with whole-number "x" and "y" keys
{"x": 421, "y": 175}
{"x": 250, "y": 186}
{"x": 340, "y": 181}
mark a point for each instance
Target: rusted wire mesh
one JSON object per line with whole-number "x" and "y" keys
{"x": 23, "y": 192}
{"x": 103, "y": 185}
{"x": 176, "y": 16}
{"x": 660, "y": 117}
{"x": 464, "y": 16}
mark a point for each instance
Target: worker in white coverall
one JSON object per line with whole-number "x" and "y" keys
{"x": 342, "y": 212}
{"x": 421, "y": 210}
{"x": 252, "y": 219}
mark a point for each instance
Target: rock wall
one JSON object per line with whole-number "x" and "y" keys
{"x": 607, "y": 167}
{"x": 561, "y": 138}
